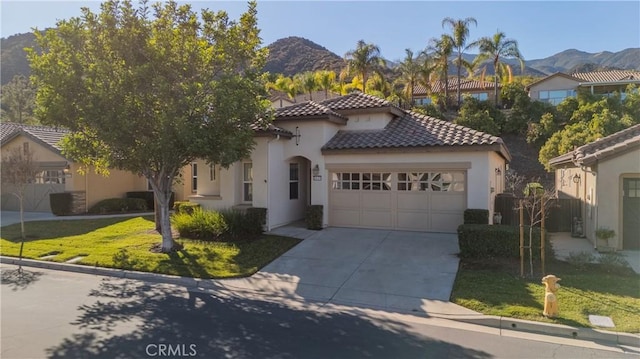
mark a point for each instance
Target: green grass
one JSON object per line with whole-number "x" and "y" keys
{"x": 125, "y": 243}
{"x": 497, "y": 289}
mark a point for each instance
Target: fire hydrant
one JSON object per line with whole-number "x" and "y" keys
{"x": 550, "y": 299}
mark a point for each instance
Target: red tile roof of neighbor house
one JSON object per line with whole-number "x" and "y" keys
{"x": 465, "y": 85}
{"x": 48, "y": 136}
{"x": 615, "y": 144}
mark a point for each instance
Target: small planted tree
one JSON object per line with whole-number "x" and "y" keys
{"x": 536, "y": 203}
{"x": 18, "y": 170}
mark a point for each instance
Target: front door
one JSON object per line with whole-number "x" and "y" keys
{"x": 631, "y": 213}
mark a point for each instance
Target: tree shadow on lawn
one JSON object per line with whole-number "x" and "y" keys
{"x": 37, "y": 230}
{"x": 19, "y": 279}
{"x": 225, "y": 326}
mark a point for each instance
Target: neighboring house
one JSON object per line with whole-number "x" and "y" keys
{"x": 555, "y": 88}
{"x": 59, "y": 173}
{"x": 481, "y": 90}
{"x": 605, "y": 176}
{"x": 369, "y": 163}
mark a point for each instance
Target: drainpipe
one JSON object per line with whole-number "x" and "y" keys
{"x": 595, "y": 203}
{"x": 276, "y": 139}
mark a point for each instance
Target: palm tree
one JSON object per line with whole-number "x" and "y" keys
{"x": 459, "y": 36}
{"x": 363, "y": 60}
{"x": 307, "y": 83}
{"x": 285, "y": 84}
{"x": 325, "y": 81}
{"x": 409, "y": 70}
{"x": 496, "y": 48}
{"x": 440, "y": 50}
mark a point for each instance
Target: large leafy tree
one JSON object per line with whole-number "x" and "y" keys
{"x": 364, "y": 60}
{"x": 459, "y": 36}
{"x": 149, "y": 90}
{"x": 18, "y": 99}
{"x": 496, "y": 49}
{"x": 439, "y": 50}
{"x": 307, "y": 82}
{"x": 590, "y": 118}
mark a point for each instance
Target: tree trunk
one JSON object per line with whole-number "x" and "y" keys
{"x": 162, "y": 194}
{"x": 459, "y": 65}
{"x": 495, "y": 81}
{"x": 156, "y": 213}
{"x": 531, "y": 250}
{"x": 22, "y": 231}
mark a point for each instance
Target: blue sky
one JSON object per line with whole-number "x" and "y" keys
{"x": 542, "y": 28}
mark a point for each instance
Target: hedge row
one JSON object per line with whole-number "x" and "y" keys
{"x": 227, "y": 225}
{"x": 119, "y": 205}
{"x": 482, "y": 241}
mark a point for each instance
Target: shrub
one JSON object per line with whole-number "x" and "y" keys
{"x": 257, "y": 214}
{"x": 61, "y": 203}
{"x": 241, "y": 225}
{"x": 119, "y": 205}
{"x": 185, "y": 207}
{"x": 313, "y": 217}
{"x": 148, "y": 197}
{"x": 581, "y": 260}
{"x": 613, "y": 263}
{"x": 205, "y": 225}
{"x": 482, "y": 241}
{"x": 476, "y": 216}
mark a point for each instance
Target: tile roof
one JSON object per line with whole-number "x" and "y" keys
{"x": 270, "y": 129}
{"x": 465, "y": 85}
{"x": 356, "y": 101}
{"x": 48, "y": 136}
{"x": 306, "y": 109}
{"x": 608, "y": 76}
{"x": 414, "y": 130}
{"x": 617, "y": 143}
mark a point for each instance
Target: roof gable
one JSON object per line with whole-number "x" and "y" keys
{"x": 415, "y": 130}
{"x": 601, "y": 149}
{"x": 49, "y": 137}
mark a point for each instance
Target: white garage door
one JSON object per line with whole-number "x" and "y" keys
{"x": 420, "y": 201}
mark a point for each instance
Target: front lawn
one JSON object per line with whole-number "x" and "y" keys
{"x": 496, "y": 289}
{"x": 125, "y": 243}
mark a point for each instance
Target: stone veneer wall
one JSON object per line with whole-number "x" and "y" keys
{"x": 78, "y": 202}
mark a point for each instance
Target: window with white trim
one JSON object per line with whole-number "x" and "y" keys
{"x": 50, "y": 177}
{"x": 294, "y": 180}
{"x": 194, "y": 177}
{"x": 247, "y": 182}
{"x": 370, "y": 181}
{"x": 431, "y": 181}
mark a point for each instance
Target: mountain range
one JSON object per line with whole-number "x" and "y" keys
{"x": 294, "y": 55}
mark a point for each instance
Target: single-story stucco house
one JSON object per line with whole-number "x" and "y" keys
{"x": 60, "y": 174}
{"x": 556, "y": 87}
{"x": 369, "y": 164}
{"x": 480, "y": 90}
{"x": 605, "y": 176}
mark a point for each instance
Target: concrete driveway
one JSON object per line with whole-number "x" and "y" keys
{"x": 406, "y": 271}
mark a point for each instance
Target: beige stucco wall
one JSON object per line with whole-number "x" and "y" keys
{"x": 600, "y": 193}
{"x": 40, "y": 152}
{"x": 553, "y": 83}
{"x": 609, "y": 191}
{"x": 98, "y": 187}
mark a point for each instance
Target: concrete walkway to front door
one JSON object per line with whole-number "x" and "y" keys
{"x": 391, "y": 270}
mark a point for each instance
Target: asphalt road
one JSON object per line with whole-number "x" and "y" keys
{"x": 51, "y": 314}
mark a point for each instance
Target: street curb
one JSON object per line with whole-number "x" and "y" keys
{"x": 502, "y": 323}
{"x": 506, "y": 323}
